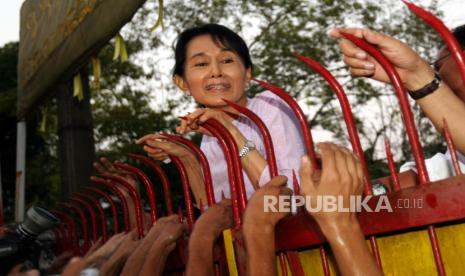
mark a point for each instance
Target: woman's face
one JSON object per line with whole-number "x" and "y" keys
{"x": 212, "y": 72}
{"x": 450, "y": 73}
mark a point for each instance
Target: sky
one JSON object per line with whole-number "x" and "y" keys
{"x": 454, "y": 15}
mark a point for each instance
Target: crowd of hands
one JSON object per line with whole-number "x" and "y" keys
{"x": 127, "y": 254}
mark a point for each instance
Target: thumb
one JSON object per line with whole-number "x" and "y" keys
{"x": 306, "y": 173}
{"x": 378, "y": 39}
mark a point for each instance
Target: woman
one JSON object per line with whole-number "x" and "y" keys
{"x": 212, "y": 63}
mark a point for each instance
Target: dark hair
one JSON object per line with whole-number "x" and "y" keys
{"x": 220, "y": 34}
{"x": 459, "y": 34}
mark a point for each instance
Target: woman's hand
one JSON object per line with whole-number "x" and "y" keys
{"x": 413, "y": 70}
{"x": 193, "y": 121}
{"x": 158, "y": 147}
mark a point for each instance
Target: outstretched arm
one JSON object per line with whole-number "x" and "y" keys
{"x": 341, "y": 175}
{"x": 415, "y": 73}
{"x": 258, "y": 228}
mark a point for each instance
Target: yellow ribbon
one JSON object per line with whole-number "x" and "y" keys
{"x": 160, "y": 16}
{"x": 78, "y": 93}
{"x": 120, "y": 49}
{"x": 97, "y": 72}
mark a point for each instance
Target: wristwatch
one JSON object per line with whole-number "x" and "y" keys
{"x": 249, "y": 146}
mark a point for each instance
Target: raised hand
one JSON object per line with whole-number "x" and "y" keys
{"x": 255, "y": 215}
{"x": 193, "y": 121}
{"x": 413, "y": 70}
{"x": 158, "y": 147}
{"x": 341, "y": 175}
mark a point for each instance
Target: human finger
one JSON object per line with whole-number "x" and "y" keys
{"x": 351, "y": 50}
{"x": 328, "y": 161}
{"x": 358, "y": 63}
{"x": 337, "y": 32}
{"x": 306, "y": 174}
{"x": 278, "y": 181}
{"x": 361, "y": 72}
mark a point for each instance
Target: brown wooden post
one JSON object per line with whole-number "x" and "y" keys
{"x": 75, "y": 131}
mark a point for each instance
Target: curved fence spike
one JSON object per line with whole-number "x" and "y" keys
{"x": 230, "y": 167}
{"x": 267, "y": 141}
{"x": 392, "y": 165}
{"x": 147, "y": 184}
{"x": 110, "y": 201}
{"x": 185, "y": 188}
{"x": 93, "y": 217}
{"x": 308, "y": 140}
{"x": 84, "y": 226}
{"x": 73, "y": 235}
{"x": 403, "y": 101}
{"x": 103, "y": 218}
{"x": 237, "y": 166}
{"x": 207, "y": 178}
{"x": 163, "y": 178}
{"x": 451, "y": 41}
{"x": 135, "y": 197}
{"x": 347, "y": 113}
{"x": 122, "y": 198}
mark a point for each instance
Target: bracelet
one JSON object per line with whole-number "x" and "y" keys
{"x": 427, "y": 89}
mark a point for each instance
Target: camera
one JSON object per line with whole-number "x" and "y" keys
{"x": 20, "y": 243}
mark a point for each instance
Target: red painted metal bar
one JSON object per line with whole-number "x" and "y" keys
{"x": 73, "y": 235}
{"x": 436, "y": 251}
{"x": 207, "y": 178}
{"x": 324, "y": 261}
{"x": 185, "y": 188}
{"x": 60, "y": 238}
{"x": 93, "y": 217}
{"x": 375, "y": 250}
{"x": 294, "y": 263}
{"x": 67, "y": 235}
{"x": 451, "y": 41}
{"x": 114, "y": 210}
{"x": 180, "y": 214}
{"x": 122, "y": 198}
{"x": 392, "y": 165}
{"x": 282, "y": 262}
{"x": 267, "y": 141}
{"x": 232, "y": 180}
{"x": 84, "y": 226}
{"x": 451, "y": 146}
{"x": 300, "y": 117}
{"x": 403, "y": 101}
{"x": 441, "y": 202}
{"x": 163, "y": 178}
{"x": 135, "y": 197}
{"x": 347, "y": 113}
{"x": 237, "y": 165}
{"x": 147, "y": 184}
{"x": 103, "y": 218}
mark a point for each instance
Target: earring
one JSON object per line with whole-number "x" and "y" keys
{"x": 188, "y": 93}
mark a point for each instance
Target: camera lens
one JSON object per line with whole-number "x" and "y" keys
{"x": 37, "y": 221}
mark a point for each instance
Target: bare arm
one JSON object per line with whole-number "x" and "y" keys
{"x": 415, "y": 74}
{"x": 341, "y": 175}
{"x": 155, "y": 259}
{"x": 259, "y": 228}
{"x": 206, "y": 231}
{"x": 158, "y": 147}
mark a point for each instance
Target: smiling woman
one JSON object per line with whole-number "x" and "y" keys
{"x": 213, "y": 63}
